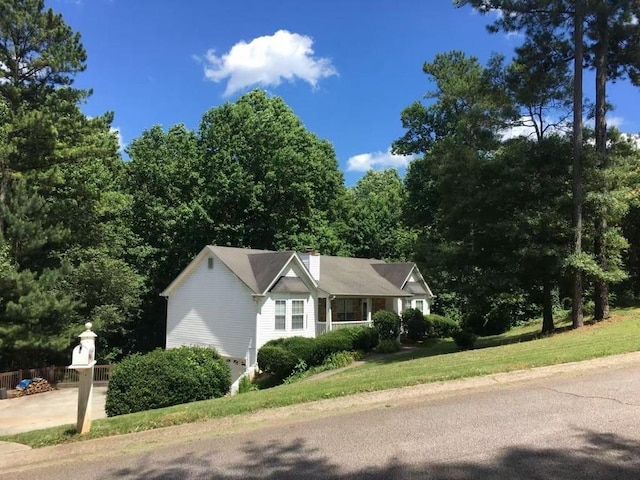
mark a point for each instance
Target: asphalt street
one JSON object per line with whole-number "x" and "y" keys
{"x": 569, "y": 426}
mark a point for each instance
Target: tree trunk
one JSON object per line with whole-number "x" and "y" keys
{"x": 601, "y": 288}
{"x": 547, "y": 305}
{"x": 4, "y": 186}
{"x": 578, "y": 31}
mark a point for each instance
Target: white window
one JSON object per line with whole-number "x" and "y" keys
{"x": 406, "y": 303}
{"x": 281, "y": 314}
{"x": 420, "y": 305}
{"x": 297, "y": 314}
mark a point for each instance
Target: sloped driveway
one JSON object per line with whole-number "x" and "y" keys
{"x": 49, "y": 409}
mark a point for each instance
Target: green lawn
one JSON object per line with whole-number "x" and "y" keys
{"x": 434, "y": 361}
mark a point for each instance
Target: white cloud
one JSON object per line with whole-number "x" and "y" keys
{"x": 615, "y": 121}
{"x": 267, "y": 61}
{"x": 377, "y": 161}
{"x": 116, "y": 131}
{"x": 525, "y": 128}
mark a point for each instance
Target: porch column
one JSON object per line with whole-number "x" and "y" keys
{"x": 328, "y": 309}
{"x": 369, "y": 310}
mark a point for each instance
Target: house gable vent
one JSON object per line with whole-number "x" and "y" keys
{"x": 210, "y": 263}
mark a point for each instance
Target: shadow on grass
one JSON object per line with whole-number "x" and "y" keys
{"x": 598, "y": 455}
{"x": 435, "y": 347}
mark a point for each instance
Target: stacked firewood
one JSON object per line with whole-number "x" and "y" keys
{"x": 37, "y": 385}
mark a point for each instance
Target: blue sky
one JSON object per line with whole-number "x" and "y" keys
{"x": 346, "y": 68}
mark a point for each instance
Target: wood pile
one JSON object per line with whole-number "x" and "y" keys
{"x": 37, "y": 385}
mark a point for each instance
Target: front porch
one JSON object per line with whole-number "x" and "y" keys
{"x": 341, "y": 312}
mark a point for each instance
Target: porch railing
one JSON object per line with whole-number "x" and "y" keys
{"x": 343, "y": 324}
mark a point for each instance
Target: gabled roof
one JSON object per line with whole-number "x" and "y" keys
{"x": 396, "y": 273}
{"x": 257, "y": 269}
{"x": 266, "y": 265}
{"x": 290, "y": 285}
{"x": 355, "y": 277}
{"x": 262, "y": 271}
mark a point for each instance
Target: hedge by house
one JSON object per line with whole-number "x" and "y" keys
{"x": 387, "y": 324}
{"x": 440, "y": 327}
{"x": 414, "y": 324}
{"x": 280, "y": 357}
{"x": 166, "y": 377}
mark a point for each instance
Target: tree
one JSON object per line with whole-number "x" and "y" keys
{"x": 277, "y": 184}
{"x": 495, "y": 236}
{"x": 64, "y": 230}
{"x": 376, "y": 226}
{"x": 168, "y": 215}
{"x": 613, "y": 52}
{"x": 562, "y": 21}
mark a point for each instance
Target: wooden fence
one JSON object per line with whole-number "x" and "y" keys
{"x": 53, "y": 375}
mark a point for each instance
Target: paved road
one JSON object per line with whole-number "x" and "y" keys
{"x": 571, "y": 426}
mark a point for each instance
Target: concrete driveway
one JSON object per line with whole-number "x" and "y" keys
{"x": 49, "y": 409}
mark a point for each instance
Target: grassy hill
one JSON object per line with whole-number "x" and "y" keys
{"x": 521, "y": 348}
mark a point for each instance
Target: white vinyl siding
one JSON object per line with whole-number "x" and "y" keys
{"x": 281, "y": 315}
{"x": 212, "y": 307}
{"x": 297, "y": 314}
{"x": 266, "y": 316}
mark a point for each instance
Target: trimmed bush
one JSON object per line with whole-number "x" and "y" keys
{"x": 465, "y": 339}
{"x": 387, "y": 324}
{"x": 362, "y": 338}
{"x": 332, "y": 342}
{"x": 283, "y": 357}
{"x": 388, "y": 346}
{"x": 414, "y": 324}
{"x": 166, "y": 377}
{"x": 276, "y": 360}
{"x": 302, "y": 347}
{"x": 440, "y": 327}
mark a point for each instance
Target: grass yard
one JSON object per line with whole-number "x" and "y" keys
{"x": 434, "y": 361}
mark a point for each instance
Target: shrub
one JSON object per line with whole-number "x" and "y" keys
{"x": 465, "y": 339}
{"x": 302, "y": 347}
{"x": 246, "y": 385}
{"x": 166, "y": 377}
{"x": 276, "y": 360}
{"x": 440, "y": 327}
{"x": 332, "y": 342}
{"x": 388, "y": 346}
{"x": 362, "y": 338}
{"x": 387, "y": 324}
{"x": 338, "y": 359}
{"x": 414, "y": 324}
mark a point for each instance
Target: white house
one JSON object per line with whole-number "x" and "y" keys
{"x": 237, "y": 299}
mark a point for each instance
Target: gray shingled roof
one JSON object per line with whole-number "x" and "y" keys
{"x": 396, "y": 273}
{"x": 266, "y": 266}
{"x": 338, "y": 275}
{"x": 290, "y": 285}
{"x": 256, "y": 268}
{"x": 356, "y": 277}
